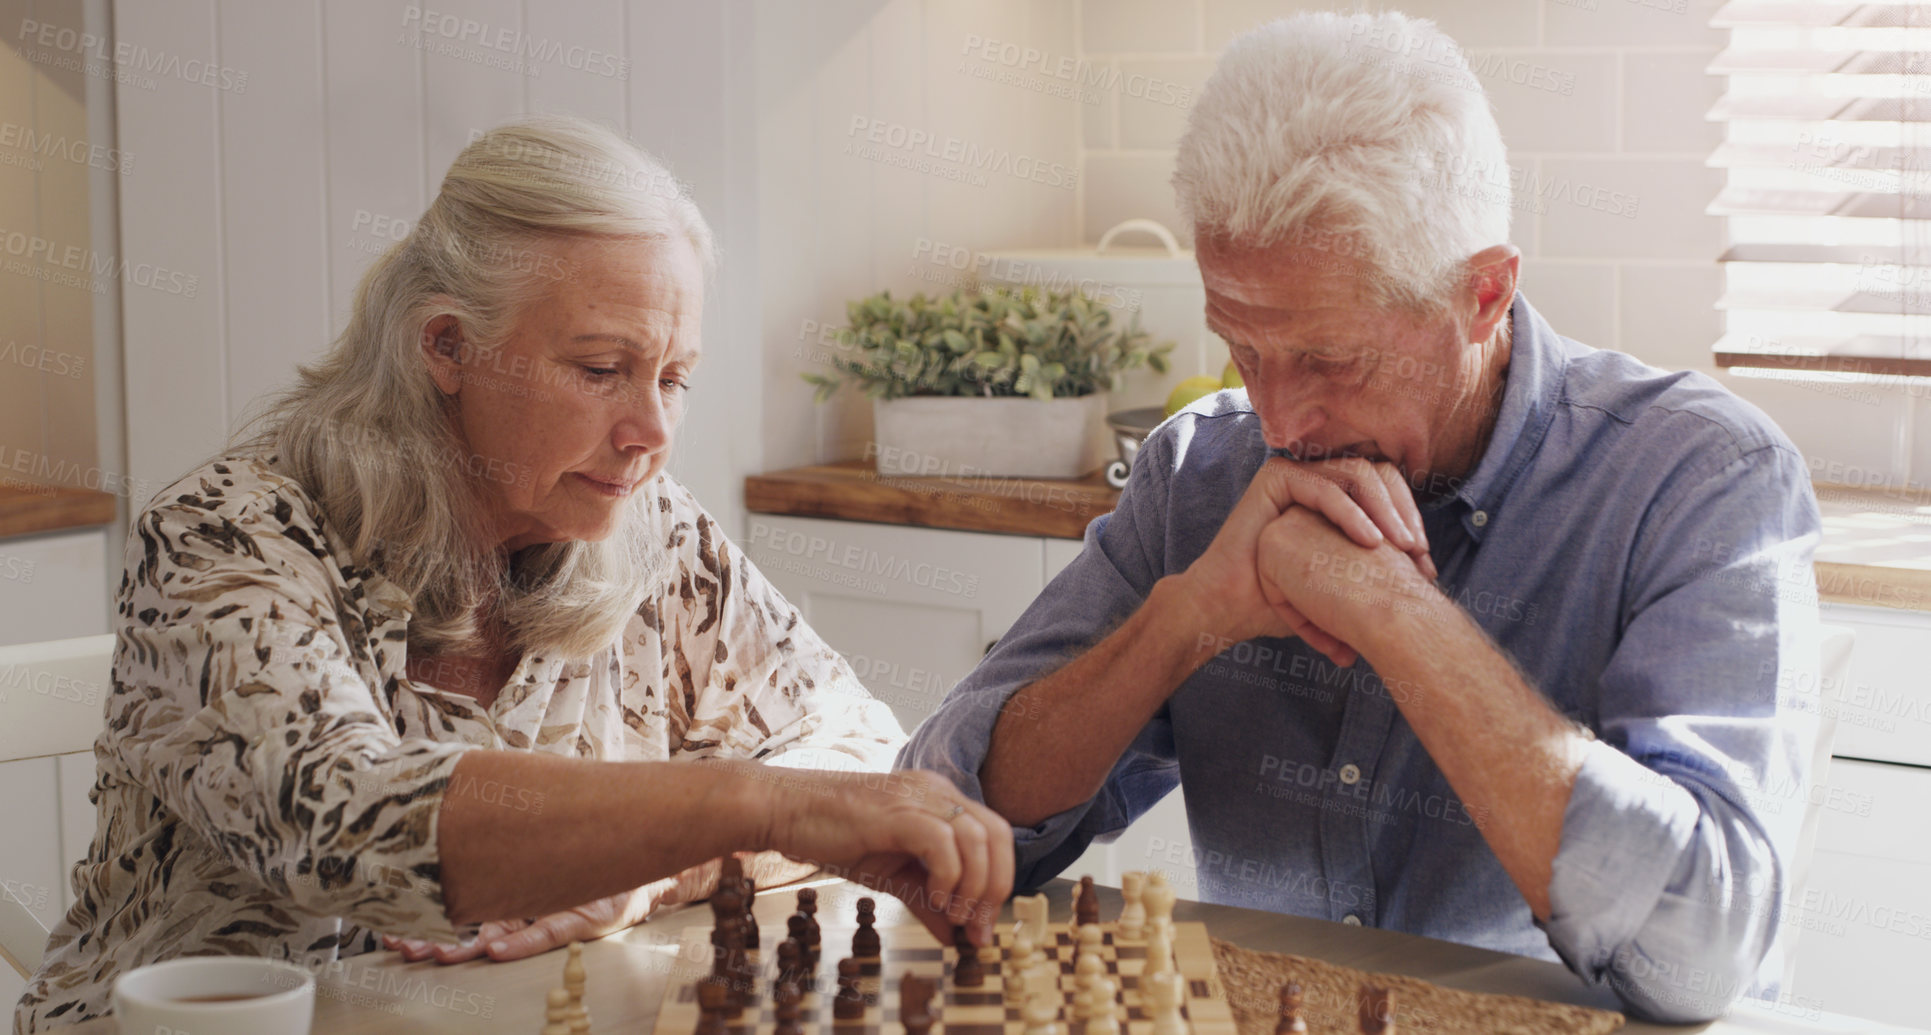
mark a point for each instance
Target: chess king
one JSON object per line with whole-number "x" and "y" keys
{"x": 1446, "y": 623}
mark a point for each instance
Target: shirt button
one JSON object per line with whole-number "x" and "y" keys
{"x": 1351, "y": 774}
{"x": 1351, "y": 920}
{"x": 1480, "y": 518}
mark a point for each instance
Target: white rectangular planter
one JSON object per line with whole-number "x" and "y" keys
{"x": 957, "y": 437}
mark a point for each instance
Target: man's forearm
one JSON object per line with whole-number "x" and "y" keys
{"x": 1509, "y": 756}
{"x": 1060, "y": 735}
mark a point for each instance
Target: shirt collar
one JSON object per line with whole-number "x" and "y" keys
{"x": 1537, "y": 363}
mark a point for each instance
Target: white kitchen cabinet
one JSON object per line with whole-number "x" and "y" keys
{"x": 1864, "y": 923}
{"x": 914, "y": 609}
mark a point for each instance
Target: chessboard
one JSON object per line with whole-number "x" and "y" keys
{"x": 981, "y": 1010}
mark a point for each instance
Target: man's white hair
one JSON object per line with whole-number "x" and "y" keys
{"x": 1365, "y": 134}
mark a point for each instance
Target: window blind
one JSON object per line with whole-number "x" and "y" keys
{"x": 1827, "y": 189}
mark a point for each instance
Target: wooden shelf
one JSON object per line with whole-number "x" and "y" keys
{"x": 854, "y": 491}
{"x": 1876, "y": 549}
{"x": 27, "y": 509}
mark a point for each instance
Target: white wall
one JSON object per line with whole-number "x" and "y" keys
{"x": 837, "y": 223}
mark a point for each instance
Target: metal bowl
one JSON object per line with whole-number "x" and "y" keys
{"x": 1130, "y": 428}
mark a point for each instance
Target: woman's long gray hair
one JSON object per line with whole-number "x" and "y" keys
{"x": 368, "y": 434}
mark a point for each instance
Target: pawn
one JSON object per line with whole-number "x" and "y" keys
{"x": 790, "y": 964}
{"x": 1041, "y": 1013}
{"x": 1163, "y": 995}
{"x": 1290, "y": 1022}
{"x": 1089, "y": 940}
{"x": 865, "y": 941}
{"x": 556, "y": 1012}
{"x": 799, "y": 929}
{"x": 915, "y": 1004}
{"x": 1133, "y": 915}
{"x": 573, "y": 982}
{"x": 1158, "y": 897}
{"x": 1160, "y": 947}
{"x": 849, "y": 1004}
{"x": 1377, "y": 1011}
{"x": 749, "y": 887}
{"x": 1086, "y": 904}
{"x": 969, "y": 971}
{"x": 714, "y": 997}
{"x": 786, "y": 1000}
{"x": 808, "y": 905}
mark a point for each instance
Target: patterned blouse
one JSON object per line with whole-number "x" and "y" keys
{"x": 269, "y": 777}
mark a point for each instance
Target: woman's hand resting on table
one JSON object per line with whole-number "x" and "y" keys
{"x": 504, "y": 940}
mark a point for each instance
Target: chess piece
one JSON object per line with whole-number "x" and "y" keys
{"x": 1290, "y": 1022}
{"x": 556, "y": 1012}
{"x": 714, "y": 996}
{"x": 1106, "y": 998}
{"x": 1158, "y": 897}
{"x": 786, "y": 999}
{"x": 1030, "y": 910}
{"x": 1163, "y": 994}
{"x": 1041, "y": 1012}
{"x": 1090, "y": 965}
{"x": 865, "y": 940}
{"x": 808, "y": 905}
{"x": 969, "y": 971}
{"x": 573, "y": 982}
{"x": 1377, "y": 1011}
{"x": 1086, "y": 904}
{"x": 915, "y": 1004}
{"x": 1133, "y": 915}
{"x": 749, "y": 888}
{"x": 1160, "y": 947}
{"x": 1088, "y": 938}
{"x": 790, "y": 965}
{"x": 849, "y": 1004}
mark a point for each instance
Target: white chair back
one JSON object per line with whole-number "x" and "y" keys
{"x": 52, "y": 699}
{"x": 1833, "y": 667}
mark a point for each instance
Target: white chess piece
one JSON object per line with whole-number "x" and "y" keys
{"x": 556, "y": 1012}
{"x": 1041, "y": 1012}
{"x": 1019, "y": 958}
{"x": 578, "y": 1016}
{"x": 1022, "y": 919}
{"x": 1089, "y": 939}
{"x": 1158, "y": 896}
{"x": 1160, "y": 947}
{"x": 1133, "y": 916}
{"x": 1104, "y": 1023}
{"x": 1106, "y": 993}
{"x": 1163, "y": 995}
{"x": 1039, "y": 920}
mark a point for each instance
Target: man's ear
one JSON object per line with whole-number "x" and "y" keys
{"x": 444, "y": 350}
{"x": 1492, "y": 274}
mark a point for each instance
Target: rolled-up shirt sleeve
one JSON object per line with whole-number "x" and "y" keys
{"x": 1115, "y": 570}
{"x": 761, "y": 683}
{"x": 1678, "y": 835}
{"x": 237, "y": 705}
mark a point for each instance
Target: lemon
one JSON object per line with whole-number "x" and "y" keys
{"x": 1187, "y": 391}
{"x": 1230, "y": 377}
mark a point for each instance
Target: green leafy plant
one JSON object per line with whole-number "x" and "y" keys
{"x": 998, "y": 341}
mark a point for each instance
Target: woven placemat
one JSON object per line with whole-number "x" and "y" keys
{"x": 1331, "y": 1001}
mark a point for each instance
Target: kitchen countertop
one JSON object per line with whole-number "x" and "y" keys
{"x": 1876, "y": 550}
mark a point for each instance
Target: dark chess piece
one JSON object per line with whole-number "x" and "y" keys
{"x": 849, "y": 1004}
{"x": 791, "y": 963}
{"x": 787, "y": 1000}
{"x": 799, "y": 928}
{"x": 1290, "y": 1022}
{"x": 727, "y": 910}
{"x": 808, "y": 905}
{"x": 1086, "y": 904}
{"x": 1377, "y": 1011}
{"x": 749, "y": 888}
{"x": 968, "y": 972}
{"x": 915, "y": 1004}
{"x": 866, "y": 944}
{"x": 713, "y": 999}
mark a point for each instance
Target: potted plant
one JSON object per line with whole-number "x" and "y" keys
{"x": 998, "y": 381}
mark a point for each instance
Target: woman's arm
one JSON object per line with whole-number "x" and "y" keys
{"x": 608, "y": 827}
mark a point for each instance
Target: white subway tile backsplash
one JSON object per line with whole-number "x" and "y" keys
{"x": 1140, "y": 26}
{"x": 1155, "y": 96}
{"x": 1665, "y": 98}
{"x": 1596, "y": 23}
{"x": 1226, "y": 19}
{"x": 1477, "y": 23}
{"x": 1669, "y": 314}
{"x": 1625, "y": 208}
{"x": 1121, "y": 187}
{"x": 1551, "y": 101}
{"x": 1578, "y": 299}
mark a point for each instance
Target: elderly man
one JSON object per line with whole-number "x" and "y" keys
{"x": 1449, "y": 624}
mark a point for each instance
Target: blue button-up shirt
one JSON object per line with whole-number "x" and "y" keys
{"x": 1638, "y": 541}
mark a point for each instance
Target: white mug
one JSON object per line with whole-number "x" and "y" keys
{"x": 215, "y": 995}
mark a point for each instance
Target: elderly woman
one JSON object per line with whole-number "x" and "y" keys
{"x": 431, "y": 655}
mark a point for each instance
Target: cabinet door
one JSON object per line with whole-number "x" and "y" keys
{"x": 1863, "y": 925}
{"x": 1883, "y": 705}
{"x": 912, "y": 609}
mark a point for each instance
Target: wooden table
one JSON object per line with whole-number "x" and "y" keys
{"x": 628, "y": 972}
